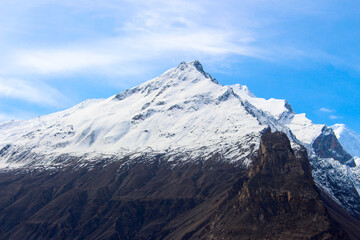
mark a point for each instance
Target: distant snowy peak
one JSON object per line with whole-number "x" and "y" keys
{"x": 242, "y": 90}
{"x": 304, "y": 129}
{"x": 348, "y": 138}
{"x": 278, "y": 108}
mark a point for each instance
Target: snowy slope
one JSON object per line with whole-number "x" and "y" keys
{"x": 348, "y": 138}
{"x": 181, "y": 110}
{"x": 303, "y": 128}
{"x": 275, "y": 107}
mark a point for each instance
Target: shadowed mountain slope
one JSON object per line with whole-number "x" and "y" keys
{"x": 151, "y": 199}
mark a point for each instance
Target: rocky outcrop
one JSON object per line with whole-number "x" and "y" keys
{"x": 326, "y": 145}
{"x": 279, "y": 199}
{"x": 153, "y": 199}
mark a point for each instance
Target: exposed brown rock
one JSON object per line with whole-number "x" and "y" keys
{"x": 278, "y": 201}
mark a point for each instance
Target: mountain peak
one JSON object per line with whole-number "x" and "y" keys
{"x": 184, "y": 76}
{"x": 195, "y": 65}
{"x": 348, "y": 138}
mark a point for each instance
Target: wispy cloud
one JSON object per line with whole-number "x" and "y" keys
{"x": 33, "y": 92}
{"x": 46, "y": 61}
{"x": 330, "y": 113}
{"x": 333, "y": 117}
{"x": 326, "y": 110}
{"x": 115, "y": 51}
{"x": 154, "y": 30}
{"x": 138, "y": 31}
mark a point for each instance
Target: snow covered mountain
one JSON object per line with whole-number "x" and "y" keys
{"x": 186, "y": 114}
{"x": 181, "y": 110}
{"x": 348, "y": 138}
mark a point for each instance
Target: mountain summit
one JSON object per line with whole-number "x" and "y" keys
{"x": 184, "y": 117}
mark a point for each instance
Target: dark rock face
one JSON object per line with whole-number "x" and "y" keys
{"x": 326, "y": 145}
{"x": 145, "y": 200}
{"x": 152, "y": 199}
{"x": 278, "y": 200}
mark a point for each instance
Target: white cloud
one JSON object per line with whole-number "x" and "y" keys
{"x": 113, "y": 52}
{"x": 331, "y": 112}
{"x": 326, "y": 110}
{"x": 61, "y": 60}
{"x": 333, "y": 117}
{"x": 140, "y": 32}
{"x": 150, "y": 30}
{"x": 33, "y": 92}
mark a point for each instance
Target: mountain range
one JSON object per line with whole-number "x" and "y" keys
{"x": 179, "y": 157}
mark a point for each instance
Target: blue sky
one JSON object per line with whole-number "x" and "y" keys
{"x": 55, "y": 54}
